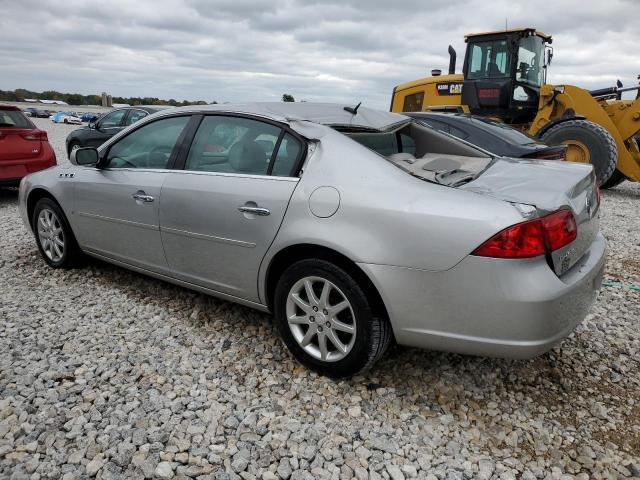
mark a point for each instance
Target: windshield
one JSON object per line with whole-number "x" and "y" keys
{"x": 530, "y": 60}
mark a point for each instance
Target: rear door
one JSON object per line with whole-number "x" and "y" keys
{"x": 220, "y": 214}
{"x": 116, "y": 207}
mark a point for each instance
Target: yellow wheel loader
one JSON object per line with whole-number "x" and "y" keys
{"x": 504, "y": 78}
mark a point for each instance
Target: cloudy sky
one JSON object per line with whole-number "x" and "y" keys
{"x": 326, "y": 50}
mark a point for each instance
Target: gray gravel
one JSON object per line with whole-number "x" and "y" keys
{"x": 108, "y": 374}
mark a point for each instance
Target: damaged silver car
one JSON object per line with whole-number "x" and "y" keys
{"x": 352, "y": 226}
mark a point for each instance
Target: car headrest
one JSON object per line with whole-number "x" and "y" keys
{"x": 248, "y": 157}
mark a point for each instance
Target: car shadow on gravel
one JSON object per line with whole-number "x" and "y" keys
{"x": 8, "y": 196}
{"x": 388, "y": 372}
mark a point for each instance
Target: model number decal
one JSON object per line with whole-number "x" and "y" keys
{"x": 449, "y": 88}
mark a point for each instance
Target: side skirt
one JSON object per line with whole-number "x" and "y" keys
{"x": 181, "y": 283}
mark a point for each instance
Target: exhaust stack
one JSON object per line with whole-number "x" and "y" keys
{"x": 452, "y": 60}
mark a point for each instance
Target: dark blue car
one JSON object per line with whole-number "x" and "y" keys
{"x": 89, "y": 117}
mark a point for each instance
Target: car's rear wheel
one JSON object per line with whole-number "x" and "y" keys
{"x": 327, "y": 320}
{"x": 55, "y": 239}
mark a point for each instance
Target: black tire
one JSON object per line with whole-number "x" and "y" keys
{"x": 71, "y": 256}
{"x": 602, "y": 150}
{"x": 372, "y": 331}
{"x": 72, "y": 145}
{"x": 614, "y": 180}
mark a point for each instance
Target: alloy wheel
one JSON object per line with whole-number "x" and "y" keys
{"x": 321, "y": 319}
{"x": 51, "y": 235}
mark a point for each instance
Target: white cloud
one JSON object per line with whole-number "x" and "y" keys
{"x": 326, "y": 50}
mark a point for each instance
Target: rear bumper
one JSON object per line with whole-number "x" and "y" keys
{"x": 12, "y": 171}
{"x": 489, "y": 307}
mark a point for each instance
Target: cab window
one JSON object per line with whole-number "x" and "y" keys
{"x": 149, "y": 146}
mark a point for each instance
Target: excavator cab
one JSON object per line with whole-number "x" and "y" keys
{"x": 503, "y": 72}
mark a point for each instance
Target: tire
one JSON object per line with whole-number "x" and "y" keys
{"x": 371, "y": 332}
{"x": 589, "y": 142}
{"x": 67, "y": 254}
{"x": 72, "y": 146}
{"x": 614, "y": 180}
{"x": 65, "y": 121}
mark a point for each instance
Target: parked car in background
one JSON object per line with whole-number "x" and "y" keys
{"x": 36, "y": 112}
{"x": 58, "y": 117}
{"x": 281, "y": 207}
{"x": 106, "y": 126}
{"x": 24, "y": 148}
{"x": 88, "y": 117}
{"x": 73, "y": 119}
{"x": 494, "y": 137}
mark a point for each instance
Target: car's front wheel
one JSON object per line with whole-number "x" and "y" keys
{"x": 327, "y": 320}
{"x": 54, "y": 236}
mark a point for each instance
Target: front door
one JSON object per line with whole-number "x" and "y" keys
{"x": 219, "y": 216}
{"x": 116, "y": 206}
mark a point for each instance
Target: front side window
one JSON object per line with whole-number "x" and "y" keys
{"x": 113, "y": 119}
{"x": 149, "y": 146}
{"x": 233, "y": 145}
{"x": 530, "y": 60}
{"x": 135, "y": 115}
{"x": 489, "y": 60}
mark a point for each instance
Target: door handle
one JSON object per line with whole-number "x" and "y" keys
{"x": 143, "y": 197}
{"x": 263, "y": 212}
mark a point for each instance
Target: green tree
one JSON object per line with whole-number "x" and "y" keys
{"x": 287, "y": 98}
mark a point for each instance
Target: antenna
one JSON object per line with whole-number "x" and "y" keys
{"x": 353, "y": 110}
{"x": 506, "y": 25}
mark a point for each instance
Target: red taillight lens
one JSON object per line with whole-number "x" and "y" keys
{"x": 531, "y": 238}
{"x": 523, "y": 240}
{"x": 36, "y": 135}
{"x": 597, "y": 189}
{"x": 560, "y": 229}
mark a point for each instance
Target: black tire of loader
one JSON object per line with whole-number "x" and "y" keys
{"x": 603, "y": 152}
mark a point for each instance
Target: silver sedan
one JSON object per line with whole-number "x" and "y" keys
{"x": 352, "y": 226}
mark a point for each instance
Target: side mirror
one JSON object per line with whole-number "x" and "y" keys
{"x": 92, "y": 125}
{"x": 84, "y": 156}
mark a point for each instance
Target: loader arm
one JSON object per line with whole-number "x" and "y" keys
{"x": 620, "y": 118}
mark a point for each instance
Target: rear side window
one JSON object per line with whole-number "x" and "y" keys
{"x": 287, "y": 158}
{"x": 14, "y": 119}
{"x": 242, "y": 145}
{"x": 413, "y": 102}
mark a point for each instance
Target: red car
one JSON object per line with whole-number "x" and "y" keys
{"x": 24, "y": 148}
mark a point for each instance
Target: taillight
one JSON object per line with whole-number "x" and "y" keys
{"x": 531, "y": 238}
{"x": 36, "y": 135}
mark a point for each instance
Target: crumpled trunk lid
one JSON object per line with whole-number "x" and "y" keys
{"x": 548, "y": 186}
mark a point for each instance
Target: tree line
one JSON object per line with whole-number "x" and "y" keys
{"x": 19, "y": 95}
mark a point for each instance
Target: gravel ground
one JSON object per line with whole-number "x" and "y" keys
{"x": 105, "y": 373}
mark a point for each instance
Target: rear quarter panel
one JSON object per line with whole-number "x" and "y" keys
{"x": 386, "y": 216}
